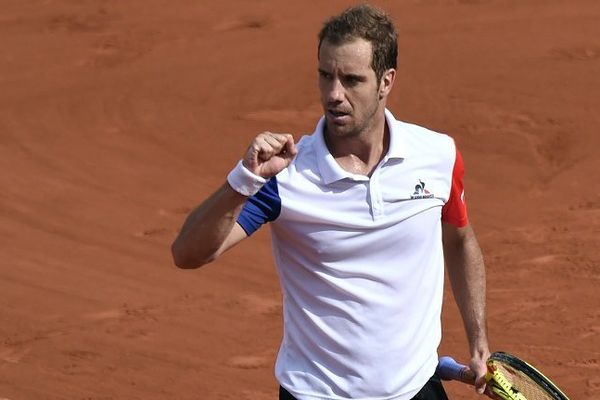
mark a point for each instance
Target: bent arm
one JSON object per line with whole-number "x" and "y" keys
{"x": 466, "y": 271}
{"x": 210, "y": 229}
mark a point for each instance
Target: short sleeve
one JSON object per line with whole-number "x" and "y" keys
{"x": 455, "y": 210}
{"x": 260, "y": 208}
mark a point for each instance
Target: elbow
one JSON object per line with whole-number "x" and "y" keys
{"x": 183, "y": 259}
{"x": 183, "y": 263}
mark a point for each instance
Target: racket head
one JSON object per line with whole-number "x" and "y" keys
{"x": 524, "y": 378}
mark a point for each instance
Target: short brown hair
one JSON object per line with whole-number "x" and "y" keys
{"x": 369, "y": 23}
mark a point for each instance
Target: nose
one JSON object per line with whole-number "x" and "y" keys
{"x": 335, "y": 92}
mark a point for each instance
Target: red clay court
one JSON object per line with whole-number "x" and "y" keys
{"x": 118, "y": 117}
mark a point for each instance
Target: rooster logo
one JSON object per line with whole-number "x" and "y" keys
{"x": 420, "y": 189}
{"x": 421, "y": 192}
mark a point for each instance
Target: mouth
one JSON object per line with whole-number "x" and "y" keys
{"x": 338, "y": 116}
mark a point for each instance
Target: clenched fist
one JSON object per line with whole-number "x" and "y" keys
{"x": 270, "y": 153}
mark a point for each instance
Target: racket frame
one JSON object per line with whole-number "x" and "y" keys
{"x": 535, "y": 375}
{"x": 499, "y": 384}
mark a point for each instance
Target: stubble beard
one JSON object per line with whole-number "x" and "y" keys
{"x": 355, "y": 131}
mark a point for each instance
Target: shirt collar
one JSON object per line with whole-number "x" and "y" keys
{"x": 398, "y": 145}
{"x": 329, "y": 168}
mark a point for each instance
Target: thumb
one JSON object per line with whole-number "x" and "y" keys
{"x": 290, "y": 147}
{"x": 289, "y": 151}
{"x": 479, "y": 368}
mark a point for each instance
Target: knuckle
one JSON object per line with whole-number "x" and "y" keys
{"x": 254, "y": 146}
{"x": 262, "y": 136}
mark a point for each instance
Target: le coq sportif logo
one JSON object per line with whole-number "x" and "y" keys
{"x": 421, "y": 192}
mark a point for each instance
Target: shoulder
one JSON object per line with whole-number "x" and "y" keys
{"x": 423, "y": 147}
{"x": 416, "y": 139}
{"x": 423, "y": 137}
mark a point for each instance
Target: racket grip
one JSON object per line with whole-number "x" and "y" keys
{"x": 448, "y": 369}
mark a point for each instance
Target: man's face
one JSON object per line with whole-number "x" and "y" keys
{"x": 348, "y": 85}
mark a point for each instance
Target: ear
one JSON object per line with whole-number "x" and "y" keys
{"x": 386, "y": 83}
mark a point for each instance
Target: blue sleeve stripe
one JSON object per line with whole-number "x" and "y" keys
{"x": 261, "y": 208}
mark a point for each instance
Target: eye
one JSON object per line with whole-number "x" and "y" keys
{"x": 324, "y": 75}
{"x": 353, "y": 80}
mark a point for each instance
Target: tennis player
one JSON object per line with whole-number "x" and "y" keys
{"x": 363, "y": 213}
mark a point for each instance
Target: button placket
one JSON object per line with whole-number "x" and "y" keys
{"x": 375, "y": 192}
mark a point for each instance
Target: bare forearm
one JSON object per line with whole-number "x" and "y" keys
{"x": 467, "y": 277}
{"x": 206, "y": 228}
{"x": 211, "y": 228}
{"x": 466, "y": 271}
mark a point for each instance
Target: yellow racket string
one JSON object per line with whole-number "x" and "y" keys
{"x": 523, "y": 383}
{"x": 501, "y": 393}
{"x": 500, "y": 385}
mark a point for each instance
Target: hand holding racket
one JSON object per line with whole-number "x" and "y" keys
{"x": 508, "y": 378}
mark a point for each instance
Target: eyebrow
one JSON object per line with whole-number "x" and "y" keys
{"x": 346, "y": 76}
{"x": 355, "y": 76}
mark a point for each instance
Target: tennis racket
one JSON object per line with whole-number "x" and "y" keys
{"x": 509, "y": 377}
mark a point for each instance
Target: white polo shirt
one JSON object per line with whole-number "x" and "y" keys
{"x": 361, "y": 264}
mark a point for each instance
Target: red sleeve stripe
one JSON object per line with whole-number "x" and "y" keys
{"x": 455, "y": 210}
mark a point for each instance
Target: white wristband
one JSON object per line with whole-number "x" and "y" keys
{"x": 243, "y": 181}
